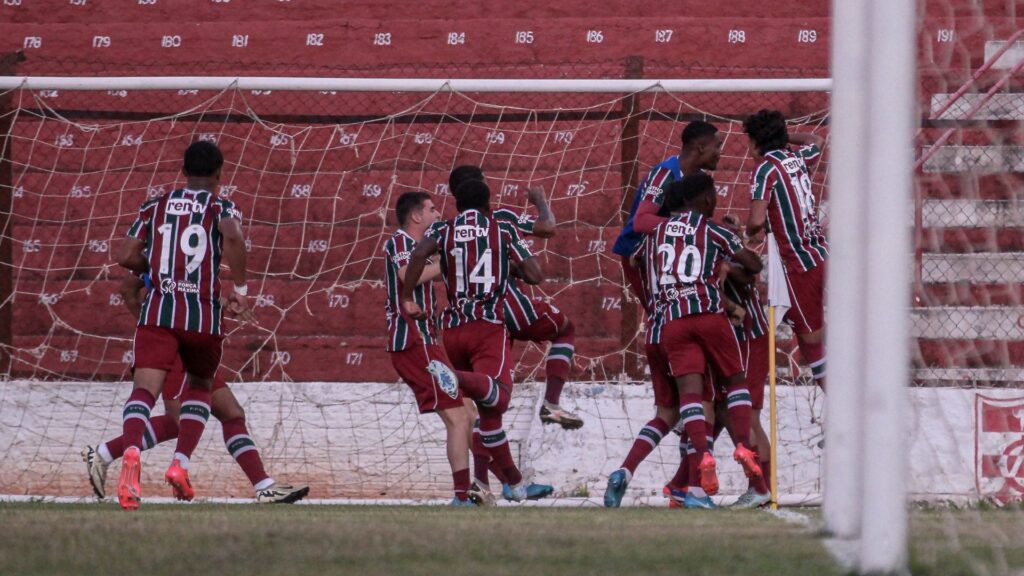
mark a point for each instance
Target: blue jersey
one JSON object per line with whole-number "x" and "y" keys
{"x": 659, "y": 177}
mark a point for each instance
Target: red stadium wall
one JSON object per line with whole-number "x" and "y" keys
{"x": 334, "y": 333}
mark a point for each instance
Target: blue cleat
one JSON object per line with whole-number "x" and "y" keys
{"x": 523, "y": 491}
{"x": 617, "y": 483}
{"x": 704, "y": 502}
{"x": 456, "y": 503}
{"x": 676, "y": 496}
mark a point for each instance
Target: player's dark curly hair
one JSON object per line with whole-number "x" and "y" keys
{"x": 767, "y": 129}
{"x": 463, "y": 173}
{"x": 682, "y": 192}
{"x": 472, "y": 195}
{"x": 202, "y": 158}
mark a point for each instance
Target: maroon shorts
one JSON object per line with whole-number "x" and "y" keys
{"x": 754, "y": 355}
{"x": 807, "y": 300}
{"x": 481, "y": 347}
{"x": 174, "y": 383}
{"x": 634, "y": 279}
{"x": 411, "y": 365}
{"x": 549, "y": 323}
{"x": 692, "y": 342}
{"x": 160, "y": 348}
{"x": 666, "y": 393}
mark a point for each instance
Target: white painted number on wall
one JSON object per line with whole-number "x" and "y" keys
{"x": 33, "y": 42}
{"x": 77, "y": 2}
{"x": 282, "y": 358}
{"x": 81, "y": 191}
{"x": 663, "y": 36}
{"x": 611, "y": 303}
{"x": 945, "y": 35}
{"x": 48, "y": 299}
{"x": 597, "y": 246}
{"x": 101, "y": 41}
{"x": 130, "y": 140}
{"x": 564, "y": 136}
{"x": 382, "y": 39}
{"x": 279, "y": 140}
{"x": 302, "y": 190}
{"x": 524, "y": 37}
{"x": 239, "y": 40}
{"x": 147, "y": 2}
{"x": 116, "y": 300}
{"x": 65, "y": 140}
{"x": 208, "y": 137}
{"x": 338, "y": 301}
{"x": 170, "y": 42}
{"x": 118, "y": 93}
{"x": 264, "y": 300}
{"x": 577, "y": 189}
{"x": 354, "y": 358}
{"x": 347, "y": 139}
{"x": 509, "y": 189}
{"x": 372, "y": 190}
{"x": 737, "y": 36}
{"x": 314, "y": 39}
{"x": 99, "y": 246}
{"x": 227, "y": 190}
{"x": 807, "y": 36}
{"x": 317, "y": 246}
{"x": 49, "y": 93}
{"x": 455, "y": 38}
{"x": 32, "y": 246}
{"x": 68, "y": 356}
{"x": 495, "y": 137}
{"x": 423, "y": 138}
{"x": 440, "y": 189}
{"x": 595, "y": 36}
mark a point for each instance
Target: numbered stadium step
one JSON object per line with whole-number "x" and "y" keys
{"x": 309, "y": 358}
{"x": 39, "y": 305}
{"x": 66, "y": 355}
{"x": 973, "y": 294}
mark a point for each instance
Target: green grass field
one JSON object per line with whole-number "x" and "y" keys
{"x": 250, "y": 540}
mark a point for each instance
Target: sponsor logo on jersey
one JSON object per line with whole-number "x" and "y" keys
{"x": 467, "y": 233}
{"x": 188, "y": 287}
{"x": 402, "y": 256}
{"x": 184, "y": 207}
{"x": 999, "y": 447}
{"x": 235, "y": 213}
{"x": 168, "y": 286}
{"x": 792, "y": 165}
{"x": 679, "y": 229}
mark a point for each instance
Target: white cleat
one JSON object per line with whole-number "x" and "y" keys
{"x": 555, "y": 414}
{"x": 279, "y": 493}
{"x": 97, "y": 470}
{"x": 481, "y": 496}
{"x": 752, "y": 499}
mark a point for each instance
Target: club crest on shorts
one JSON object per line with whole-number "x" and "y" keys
{"x": 999, "y": 448}
{"x": 447, "y": 381}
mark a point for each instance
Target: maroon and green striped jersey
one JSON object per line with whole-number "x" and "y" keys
{"x": 784, "y": 181}
{"x": 756, "y": 323}
{"x": 404, "y": 332}
{"x": 681, "y": 260}
{"x": 183, "y": 244}
{"x": 519, "y": 309}
{"x": 477, "y": 253}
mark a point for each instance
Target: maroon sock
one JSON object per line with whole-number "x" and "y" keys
{"x": 195, "y": 411}
{"x": 814, "y": 357}
{"x": 460, "y": 479}
{"x": 243, "y": 449}
{"x": 480, "y": 388}
{"x": 692, "y": 415}
{"x": 135, "y": 428}
{"x": 164, "y": 428}
{"x": 493, "y": 437}
{"x": 498, "y": 472}
{"x": 646, "y": 441}
{"x": 682, "y": 477}
{"x": 559, "y": 363}
{"x": 738, "y": 401}
{"x": 481, "y": 457}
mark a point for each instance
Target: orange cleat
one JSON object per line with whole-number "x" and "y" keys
{"x": 708, "y": 474}
{"x": 177, "y": 477}
{"x": 748, "y": 460}
{"x": 128, "y": 492}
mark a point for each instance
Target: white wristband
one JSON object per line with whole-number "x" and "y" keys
{"x": 242, "y": 289}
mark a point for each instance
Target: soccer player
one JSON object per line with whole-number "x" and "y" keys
{"x": 701, "y": 150}
{"x": 533, "y": 319}
{"x": 180, "y": 239}
{"x": 783, "y": 205}
{"x": 223, "y": 405}
{"x": 683, "y": 257}
{"x": 478, "y": 254}
{"x": 413, "y": 343}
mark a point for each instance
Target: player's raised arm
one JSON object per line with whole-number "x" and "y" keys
{"x": 413, "y": 273}
{"x": 806, "y": 139}
{"x": 431, "y": 272}
{"x": 544, "y": 227}
{"x": 132, "y": 257}
{"x": 233, "y": 243}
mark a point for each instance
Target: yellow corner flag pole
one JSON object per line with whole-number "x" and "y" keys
{"x": 773, "y": 423}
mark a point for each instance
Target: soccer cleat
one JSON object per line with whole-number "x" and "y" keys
{"x": 445, "y": 376}
{"x": 128, "y": 492}
{"x": 177, "y": 477}
{"x": 748, "y": 460}
{"x": 703, "y": 502}
{"x": 280, "y": 494}
{"x": 752, "y": 499}
{"x": 96, "y": 467}
{"x": 555, "y": 414}
{"x": 456, "y": 503}
{"x": 524, "y": 491}
{"x": 617, "y": 483}
{"x": 481, "y": 496}
{"x": 676, "y": 496}
{"x": 708, "y": 474}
